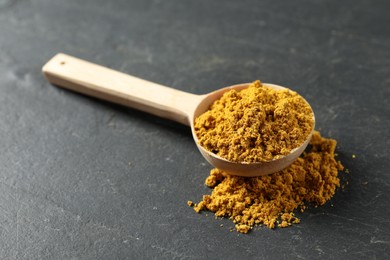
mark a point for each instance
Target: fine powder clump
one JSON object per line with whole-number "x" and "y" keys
{"x": 271, "y": 200}
{"x": 255, "y": 124}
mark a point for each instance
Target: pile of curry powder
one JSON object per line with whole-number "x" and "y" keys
{"x": 255, "y": 124}
{"x": 271, "y": 200}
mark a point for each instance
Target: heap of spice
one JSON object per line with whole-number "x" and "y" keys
{"x": 271, "y": 200}
{"x": 258, "y": 124}
{"x": 255, "y": 124}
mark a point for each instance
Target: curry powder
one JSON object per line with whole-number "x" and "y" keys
{"x": 271, "y": 200}
{"x": 255, "y": 124}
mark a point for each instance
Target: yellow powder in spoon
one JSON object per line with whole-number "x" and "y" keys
{"x": 255, "y": 124}
{"x": 271, "y": 200}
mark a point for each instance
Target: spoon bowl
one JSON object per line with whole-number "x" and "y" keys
{"x": 107, "y": 84}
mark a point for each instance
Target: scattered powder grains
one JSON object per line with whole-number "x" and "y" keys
{"x": 255, "y": 124}
{"x": 270, "y": 200}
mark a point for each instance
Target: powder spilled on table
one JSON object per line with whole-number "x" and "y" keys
{"x": 272, "y": 199}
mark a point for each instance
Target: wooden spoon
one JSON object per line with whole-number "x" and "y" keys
{"x": 107, "y": 84}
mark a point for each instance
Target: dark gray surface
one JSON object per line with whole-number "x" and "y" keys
{"x": 84, "y": 179}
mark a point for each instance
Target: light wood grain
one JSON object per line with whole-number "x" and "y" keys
{"x": 107, "y": 84}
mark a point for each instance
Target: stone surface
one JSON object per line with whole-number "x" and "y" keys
{"x": 85, "y": 179}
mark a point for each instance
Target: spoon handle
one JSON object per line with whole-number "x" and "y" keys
{"x": 107, "y": 84}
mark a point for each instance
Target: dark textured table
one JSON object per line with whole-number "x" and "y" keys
{"x": 85, "y": 179}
